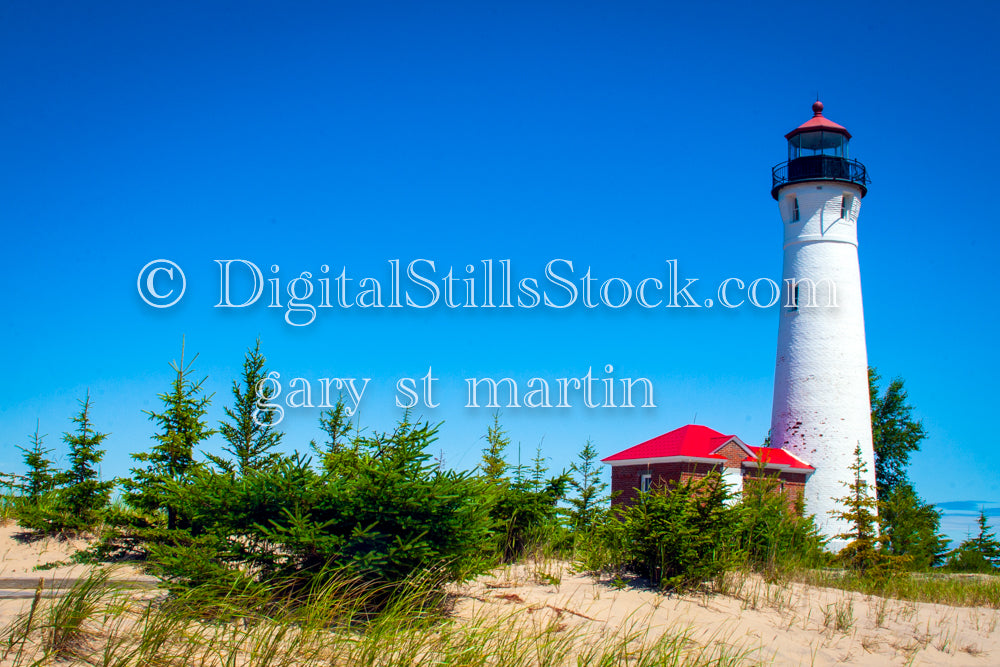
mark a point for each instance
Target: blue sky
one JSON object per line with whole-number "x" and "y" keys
{"x": 616, "y": 136}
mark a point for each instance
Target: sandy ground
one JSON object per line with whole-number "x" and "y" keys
{"x": 19, "y": 556}
{"x": 788, "y": 624}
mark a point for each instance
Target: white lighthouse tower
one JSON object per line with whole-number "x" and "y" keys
{"x": 821, "y": 408}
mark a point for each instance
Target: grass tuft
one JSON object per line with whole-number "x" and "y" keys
{"x": 957, "y": 590}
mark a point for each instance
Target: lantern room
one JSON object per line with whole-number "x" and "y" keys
{"x": 818, "y": 136}
{"x": 818, "y": 150}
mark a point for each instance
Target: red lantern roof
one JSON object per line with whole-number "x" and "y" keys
{"x": 818, "y": 122}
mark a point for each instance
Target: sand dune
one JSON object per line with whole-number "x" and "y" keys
{"x": 791, "y": 624}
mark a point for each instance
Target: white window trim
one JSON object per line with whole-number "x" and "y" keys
{"x": 645, "y": 482}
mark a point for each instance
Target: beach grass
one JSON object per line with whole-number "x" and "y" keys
{"x": 953, "y": 589}
{"x": 344, "y": 622}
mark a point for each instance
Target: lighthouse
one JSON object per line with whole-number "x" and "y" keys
{"x": 821, "y": 410}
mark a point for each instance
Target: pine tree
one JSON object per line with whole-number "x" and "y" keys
{"x": 249, "y": 433}
{"x": 538, "y": 470}
{"x": 986, "y": 542}
{"x": 494, "y": 466}
{"x": 910, "y": 527}
{"x": 41, "y": 475}
{"x": 589, "y": 489}
{"x": 520, "y": 470}
{"x": 977, "y": 554}
{"x": 84, "y": 495}
{"x": 861, "y": 553}
{"x": 524, "y": 508}
{"x": 895, "y": 434}
{"x": 770, "y": 533}
{"x": 335, "y": 424}
{"x": 182, "y": 427}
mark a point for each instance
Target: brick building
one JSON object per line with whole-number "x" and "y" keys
{"x": 695, "y": 451}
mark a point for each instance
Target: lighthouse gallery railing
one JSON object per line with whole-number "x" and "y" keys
{"x": 817, "y": 168}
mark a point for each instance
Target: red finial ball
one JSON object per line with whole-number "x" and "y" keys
{"x": 818, "y": 108}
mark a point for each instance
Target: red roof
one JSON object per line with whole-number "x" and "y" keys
{"x": 777, "y": 456}
{"x": 690, "y": 440}
{"x": 700, "y": 442}
{"x": 818, "y": 122}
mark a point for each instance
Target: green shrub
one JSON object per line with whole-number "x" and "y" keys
{"x": 690, "y": 532}
{"x": 46, "y": 514}
{"x": 769, "y": 534}
{"x": 604, "y": 546}
{"x": 678, "y": 537}
{"x": 378, "y": 509}
{"x": 524, "y": 510}
{"x": 968, "y": 560}
{"x": 525, "y": 517}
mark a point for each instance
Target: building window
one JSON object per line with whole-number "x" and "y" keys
{"x": 795, "y": 210}
{"x": 645, "y": 481}
{"x": 846, "y": 204}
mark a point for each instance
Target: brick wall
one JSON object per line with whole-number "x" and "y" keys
{"x": 626, "y": 479}
{"x": 734, "y": 455}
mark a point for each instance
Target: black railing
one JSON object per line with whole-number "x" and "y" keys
{"x": 819, "y": 168}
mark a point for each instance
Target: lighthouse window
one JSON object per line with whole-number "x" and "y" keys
{"x": 790, "y": 209}
{"x": 846, "y": 204}
{"x": 793, "y": 296}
